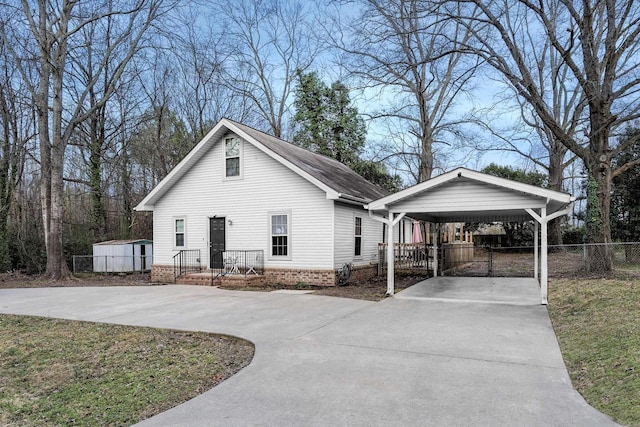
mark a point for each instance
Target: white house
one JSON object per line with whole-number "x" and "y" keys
{"x": 243, "y": 190}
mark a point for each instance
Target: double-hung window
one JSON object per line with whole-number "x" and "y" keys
{"x": 179, "y": 232}
{"x": 280, "y": 235}
{"x": 358, "y": 237}
{"x": 232, "y": 157}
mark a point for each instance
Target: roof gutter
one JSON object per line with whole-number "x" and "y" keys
{"x": 353, "y": 199}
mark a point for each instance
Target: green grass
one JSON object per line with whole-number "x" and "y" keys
{"x": 59, "y": 372}
{"x": 597, "y": 322}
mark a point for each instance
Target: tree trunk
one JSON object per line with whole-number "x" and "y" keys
{"x": 598, "y": 225}
{"x": 127, "y": 202}
{"x": 426, "y": 158}
{"x": 426, "y": 140}
{"x": 98, "y": 210}
{"x": 6, "y": 182}
{"x": 556, "y": 175}
{"x": 56, "y": 264}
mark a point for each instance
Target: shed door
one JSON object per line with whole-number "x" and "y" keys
{"x": 216, "y": 242}
{"x": 143, "y": 257}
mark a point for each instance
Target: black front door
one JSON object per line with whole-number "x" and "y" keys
{"x": 216, "y": 242}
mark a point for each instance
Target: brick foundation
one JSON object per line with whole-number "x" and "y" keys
{"x": 285, "y": 276}
{"x": 161, "y": 273}
{"x": 288, "y": 276}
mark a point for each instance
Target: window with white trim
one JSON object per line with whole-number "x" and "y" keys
{"x": 179, "y": 229}
{"x": 357, "y": 237}
{"x": 279, "y": 224}
{"x": 232, "y": 157}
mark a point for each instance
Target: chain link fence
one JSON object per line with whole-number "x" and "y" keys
{"x": 581, "y": 260}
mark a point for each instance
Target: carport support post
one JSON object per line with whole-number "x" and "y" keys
{"x": 392, "y": 221}
{"x": 544, "y": 271}
{"x": 536, "y": 255}
{"x": 543, "y": 220}
{"x": 436, "y": 234}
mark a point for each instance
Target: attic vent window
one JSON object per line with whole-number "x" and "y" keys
{"x": 232, "y": 156}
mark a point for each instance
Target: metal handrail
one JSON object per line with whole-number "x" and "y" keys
{"x": 238, "y": 262}
{"x": 186, "y": 261}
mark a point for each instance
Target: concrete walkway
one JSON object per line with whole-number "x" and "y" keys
{"x": 442, "y": 354}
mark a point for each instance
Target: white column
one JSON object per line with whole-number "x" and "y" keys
{"x": 543, "y": 219}
{"x": 435, "y": 249}
{"x": 544, "y": 272}
{"x": 536, "y": 255}
{"x": 390, "y": 256}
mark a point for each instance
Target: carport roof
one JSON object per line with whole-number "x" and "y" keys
{"x": 464, "y": 195}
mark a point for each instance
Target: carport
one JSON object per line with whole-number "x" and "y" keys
{"x": 464, "y": 195}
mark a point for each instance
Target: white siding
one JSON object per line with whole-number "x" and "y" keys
{"x": 402, "y": 231}
{"x": 345, "y": 236}
{"x": 266, "y": 186}
{"x": 467, "y": 196}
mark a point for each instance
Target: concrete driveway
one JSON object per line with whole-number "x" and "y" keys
{"x": 464, "y": 353}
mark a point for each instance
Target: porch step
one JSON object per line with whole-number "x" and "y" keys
{"x": 232, "y": 280}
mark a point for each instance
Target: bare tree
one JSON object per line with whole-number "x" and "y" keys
{"x": 267, "y": 42}
{"x": 599, "y": 44}
{"x": 408, "y": 56}
{"x": 61, "y": 102}
{"x": 16, "y": 129}
{"x": 204, "y": 95}
{"x": 536, "y": 143}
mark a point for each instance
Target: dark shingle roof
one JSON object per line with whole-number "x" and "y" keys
{"x": 327, "y": 170}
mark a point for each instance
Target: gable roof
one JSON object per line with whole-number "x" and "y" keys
{"x": 464, "y": 195}
{"x": 338, "y": 181}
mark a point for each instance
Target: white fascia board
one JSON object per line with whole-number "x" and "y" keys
{"x": 383, "y": 203}
{"x": 147, "y": 204}
{"x": 517, "y": 186}
{"x": 331, "y": 193}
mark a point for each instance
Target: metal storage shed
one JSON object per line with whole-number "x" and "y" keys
{"x": 122, "y": 256}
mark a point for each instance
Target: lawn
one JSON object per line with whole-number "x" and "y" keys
{"x": 60, "y": 372}
{"x": 597, "y": 322}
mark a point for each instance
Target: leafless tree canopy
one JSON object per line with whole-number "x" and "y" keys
{"x": 100, "y": 100}
{"x": 409, "y": 59}
{"x": 587, "y": 92}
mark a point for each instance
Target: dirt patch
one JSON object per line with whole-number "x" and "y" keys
{"x": 20, "y": 280}
{"x": 373, "y": 289}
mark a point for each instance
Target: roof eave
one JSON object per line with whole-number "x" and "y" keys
{"x": 143, "y": 207}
